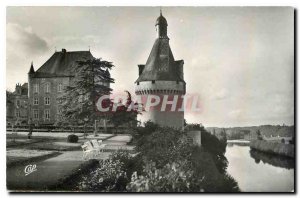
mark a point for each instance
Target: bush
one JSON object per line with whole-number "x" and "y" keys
{"x": 165, "y": 162}
{"x": 111, "y": 174}
{"x": 72, "y": 138}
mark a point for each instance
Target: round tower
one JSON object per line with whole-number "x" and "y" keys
{"x": 161, "y": 81}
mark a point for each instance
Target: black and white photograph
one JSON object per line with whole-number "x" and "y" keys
{"x": 157, "y": 99}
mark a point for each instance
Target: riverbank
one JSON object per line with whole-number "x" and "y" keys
{"x": 277, "y": 148}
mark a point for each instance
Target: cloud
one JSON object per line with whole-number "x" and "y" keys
{"x": 220, "y": 95}
{"x": 25, "y": 39}
{"x": 23, "y": 45}
{"x": 235, "y": 113}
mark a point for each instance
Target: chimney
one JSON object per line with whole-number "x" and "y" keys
{"x": 63, "y": 50}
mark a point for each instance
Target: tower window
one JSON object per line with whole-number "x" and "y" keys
{"x": 153, "y": 81}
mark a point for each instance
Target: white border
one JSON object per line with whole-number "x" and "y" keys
{"x": 4, "y": 3}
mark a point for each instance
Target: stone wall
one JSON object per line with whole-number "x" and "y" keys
{"x": 53, "y": 94}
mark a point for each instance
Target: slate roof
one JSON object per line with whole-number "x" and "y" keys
{"x": 161, "y": 20}
{"x": 60, "y": 64}
{"x": 152, "y": 69}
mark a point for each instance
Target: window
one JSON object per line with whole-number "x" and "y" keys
{"x": 35, "y": 88}
{"x": 59, "y": 89}
{"x": 47, "y": 101}
{"x": 17, "y": 114}
{"x": 36, "y": 101}
{"x": 35, "y": 114}
{"x": 47, "y": 88}
{"x": 153, "y": 81}
{"x": 59, "y": 100}
{"x": 47, "y": 113}
{"x": 18, "y": 103}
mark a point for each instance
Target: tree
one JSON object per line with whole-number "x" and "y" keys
{"x": 91, "y": 81}
{"x": 125, "y": 113}
{"x": 259, "y": 136}
{"x": 223, "y": 136}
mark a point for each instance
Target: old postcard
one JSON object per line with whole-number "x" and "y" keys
{"x": 150, "y": 99}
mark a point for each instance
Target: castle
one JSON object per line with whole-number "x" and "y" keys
{"x": 46, "y": 85}
{"x": 162, "y": 75}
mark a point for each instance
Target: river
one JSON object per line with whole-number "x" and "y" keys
{"x": 259, "y": 172}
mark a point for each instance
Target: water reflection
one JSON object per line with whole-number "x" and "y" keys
{"x": 257, "y": 172}
{"x": 230, "y": 144}
{"x": 278, "y": 161}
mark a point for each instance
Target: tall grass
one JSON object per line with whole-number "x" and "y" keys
{"x": 273, "y": 147}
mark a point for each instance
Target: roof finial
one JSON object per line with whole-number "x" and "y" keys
{"x": 160, "y": 12}
{"x": 55, "y": 48}
{"x": 31, "y": 63}
{"x": 89, "y": 48}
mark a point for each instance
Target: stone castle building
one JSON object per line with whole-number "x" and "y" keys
{"x": 17, "y": 105}
{"x": 162, "y": 75}
{"x": 47, "y": 84}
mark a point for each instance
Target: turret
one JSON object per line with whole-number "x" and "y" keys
{"x": 162, "y": 77}
{"x": 31, "y": 70}
{"x": 30, "y": 75}
{"x": 161, "y": 26}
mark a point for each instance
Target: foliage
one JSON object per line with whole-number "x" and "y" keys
{"x": 125, "y": 113}
{"x": 173, "y": 177}
{"x": 292, "y": 141}
{"x": 105, "y": 178}
{"x": 165, "y": 162}
{"x": 212, "y": 145}
{"x": 111, "y": 174}
{"x": 259, "y": 135}
{"x": 89, "y": 83}
{"x": 72, "y": 138}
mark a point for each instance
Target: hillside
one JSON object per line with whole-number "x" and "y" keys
{"x": 266, "y": 130}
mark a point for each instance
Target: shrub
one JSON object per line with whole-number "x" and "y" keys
{"x": 165, "y": 162}
{"x": 173, "y": 177}
{"x": 72, "y": 138}
{"x": 112, "y": 174}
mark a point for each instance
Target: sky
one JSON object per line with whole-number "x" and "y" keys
{"x": 238, "y": 60}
